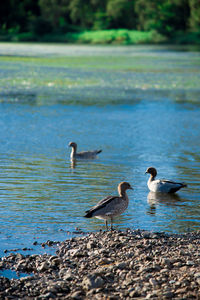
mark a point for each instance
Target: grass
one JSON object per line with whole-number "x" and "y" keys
{"x": 112, "y": 36}
{"x": 118, "y": 36}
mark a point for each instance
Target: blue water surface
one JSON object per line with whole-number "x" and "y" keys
{"x": 44, "y": 197}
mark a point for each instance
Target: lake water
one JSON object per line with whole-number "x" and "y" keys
{"x": 140, "y": 104}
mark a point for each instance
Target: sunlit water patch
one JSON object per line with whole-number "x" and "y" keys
{"x": 13, "y": 274}
{"x": 140, "y": 117}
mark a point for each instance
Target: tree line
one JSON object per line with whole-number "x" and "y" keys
{"x": 61, "y": 16}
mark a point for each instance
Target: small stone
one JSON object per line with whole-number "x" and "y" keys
{"x": 172, "y": 281}
{"x": 48, "y": 295}
{"x": 198, "y": 280}
{"x": 151, "y": 295}
{"x": 43, "y": 267}
{"x": 19, "y": 256}
{"x": 197, "y": 275}
{"x": 166, "y": 262}
{"x": 92, "y": 282}
{"x": 178, "y": 264}
{"x": 135, "y": 293}
{"x": 168, "y": 295}
{"x": 55, "y": 261}
{"x": 49, "y": 243}
{"x": 121, "y": 266}
{"x": 77, "y": 295}
{"x": 164, "y": 271}
{"x": 181, "y": 291}
{"x": 190, "y": 263}
{"x": 68, "y": 276}
{"x": 146, "y": 234}
{"x": 153, "y": 282}
{"x": 90, "y": 245}
{"x": 53, "y": 288}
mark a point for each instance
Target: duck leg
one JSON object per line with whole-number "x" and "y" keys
{"x": 106, "y": 223}
{"x": 111, "y": 221}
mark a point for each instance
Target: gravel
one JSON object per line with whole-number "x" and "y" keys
{"x": 109, "y": 265}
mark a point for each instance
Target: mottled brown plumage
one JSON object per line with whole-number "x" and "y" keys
{"x": 111, "y": 206}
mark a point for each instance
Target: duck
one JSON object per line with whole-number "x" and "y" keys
{"x": 84, "y": 154}
{"x": 111, "y": 206}
{"x": 162, "y": 185}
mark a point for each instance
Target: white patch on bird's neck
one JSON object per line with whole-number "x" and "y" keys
{"x": 73, "y": 153}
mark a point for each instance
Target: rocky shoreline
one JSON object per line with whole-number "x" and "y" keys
{"x": 109, "y": 265}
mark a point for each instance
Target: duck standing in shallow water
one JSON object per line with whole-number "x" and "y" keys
{"x": 162, "y": 185}
{"x": 111, "y": 206}
{"x": 82, "y": 155}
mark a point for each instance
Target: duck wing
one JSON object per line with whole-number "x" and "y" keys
{"x": 88, "y": 154}
{"x": 100, "y": 205}
{"x": 170, "y": 181}
{"x": 172, "y": 186}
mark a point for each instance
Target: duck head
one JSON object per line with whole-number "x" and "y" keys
{"x": 73, "y": 145}
{"x": 123, "y": 186}
{"x": 152, "y": 171}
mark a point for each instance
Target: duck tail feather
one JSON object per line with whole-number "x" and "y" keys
{"x": 88, "y": 214}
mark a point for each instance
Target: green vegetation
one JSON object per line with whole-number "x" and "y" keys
{"x": 112, "y": 36}
{"x": 100, "y": 21}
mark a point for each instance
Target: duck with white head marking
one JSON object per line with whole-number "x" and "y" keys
{"x": 162, "y": 185}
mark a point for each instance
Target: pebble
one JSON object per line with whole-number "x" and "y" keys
{"x": 197, "y": 275}
{"x": 109, "y": 265}
{"x": 92, "y": 282}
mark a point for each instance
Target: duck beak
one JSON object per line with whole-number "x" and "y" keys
{"x": 131, "y": 188}
{"x": 146, "y": 172}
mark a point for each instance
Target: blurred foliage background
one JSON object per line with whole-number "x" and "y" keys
{"x": 64, "y": 20}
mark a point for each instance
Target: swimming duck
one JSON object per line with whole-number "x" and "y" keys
{"x": 111, "y": 206}
{"x": 83, "y": 154}
{"x": 162, "y": 185}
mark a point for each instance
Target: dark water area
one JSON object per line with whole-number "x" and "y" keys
{"x": 139, "y": 104}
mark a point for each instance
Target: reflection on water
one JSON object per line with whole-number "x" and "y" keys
{"x": 140, "y": 117}
{"x": 73, "y": 163}
{"x": 155, "y": 199}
